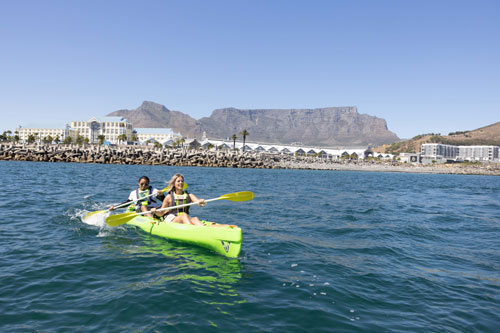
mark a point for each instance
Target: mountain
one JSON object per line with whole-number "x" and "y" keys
{"x": 332, "y": 126}
{"x": 318, "y": 127}
{"x": 154, "y": 115}
{"x": 487, "y": 135}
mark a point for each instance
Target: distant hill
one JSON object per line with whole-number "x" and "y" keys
{"x": 332, "y": 126}
{"x": 488, "y": 135}
{"x": 153, "y": 115}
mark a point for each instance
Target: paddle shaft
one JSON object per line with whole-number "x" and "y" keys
{"x": 179, "y": 206}
{"x": 147, "y": 196}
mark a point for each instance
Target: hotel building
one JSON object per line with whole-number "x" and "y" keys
{"x": 110, "y": 127}
{"x": 41, "y": 133}
{"x": 441, "y": 152}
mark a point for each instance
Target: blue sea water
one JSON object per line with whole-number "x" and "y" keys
{"x": 323, "y": 251}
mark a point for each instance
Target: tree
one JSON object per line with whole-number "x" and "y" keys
{"x": 234, "y": 137}
{"x": 7, "y": 135}
{"x": 101, "y": 139}
{"x": 134, "y": 137}
{"x": 244, "y": 134}
{"x": 68, "y": 140}
{"x": 31, "y": 138}
{"x": 79, "y": 140}
{"x": 57, "y": 139}
{"x": 47, "y": 139}
{"x": 16, "y": 136}
{"x": 122, "y": 137}
{"x": 179, "y": 142}
{"x": 210, "y": 146}
{"x": 86, "y": 140}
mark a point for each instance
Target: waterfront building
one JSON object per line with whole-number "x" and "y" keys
{"x": 161, "y": 135}
{"x": 113, "y": 129}
{"x": 440, "y": 153}
{"x": 332, "y": 154}
{"x": 478, "y": 153}
{"x": 40, "y": 133}
{"x": 439, "y": 150}
{"x": 410, "y": 157}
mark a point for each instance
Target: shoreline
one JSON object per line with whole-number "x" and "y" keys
{"x": 147, "y": 155}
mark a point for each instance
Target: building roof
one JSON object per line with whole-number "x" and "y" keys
{"x": 146, "y": 130}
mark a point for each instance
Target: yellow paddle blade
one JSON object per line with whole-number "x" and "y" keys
{"x": 166, "y": 189}
{"x": 119, "y": 219}
{"x": 93, "y": 213}
{"x": 238, "y": 196}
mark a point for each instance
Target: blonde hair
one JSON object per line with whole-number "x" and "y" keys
{"x": 171, "y": 183}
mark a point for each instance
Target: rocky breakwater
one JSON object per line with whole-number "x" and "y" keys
{"x": 225, "y": 159}
{"x": 134, "y": 155}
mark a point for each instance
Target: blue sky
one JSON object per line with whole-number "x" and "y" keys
{"x": 423, "y": 66}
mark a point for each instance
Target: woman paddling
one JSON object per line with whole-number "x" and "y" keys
{"x": 144, "y": 198}
{"x": 178, "y": 196}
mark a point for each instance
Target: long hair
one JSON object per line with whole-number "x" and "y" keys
{"x": 171, "y": 183}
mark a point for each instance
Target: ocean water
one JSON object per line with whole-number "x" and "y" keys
{"x": 323, "y": 251}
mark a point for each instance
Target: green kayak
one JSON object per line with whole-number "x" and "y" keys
{"x": 225, "y": 240}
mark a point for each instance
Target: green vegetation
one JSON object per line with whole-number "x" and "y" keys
{"x": 6, "y": 136}
{"x": 122, "y": 137}
{"x": 244, "y": 134}
{"x": 234, "y": 137}
{"x": 458, "y": 132}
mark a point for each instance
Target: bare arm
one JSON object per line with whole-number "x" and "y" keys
{"x": 201, "y": 202}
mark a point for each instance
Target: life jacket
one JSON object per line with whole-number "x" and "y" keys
{"x": 146, "y": 201}
{"x": 180, "y": 199}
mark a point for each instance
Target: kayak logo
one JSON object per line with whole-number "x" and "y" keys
{"x": 225, "y": 245}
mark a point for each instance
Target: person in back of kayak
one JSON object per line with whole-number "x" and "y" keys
{"x": 178, "y": 196}
{"x": 141, "y": 199}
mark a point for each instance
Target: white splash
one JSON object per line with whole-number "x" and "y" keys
{"x": 96, "y": 219}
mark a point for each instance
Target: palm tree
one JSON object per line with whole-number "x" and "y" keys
{"x": 31, "y": 138}
{"x": 122, "y": 137}
{"x": 101, "y": 139}
{"x": 180, "y": 142}
{"x": 234, "y": 137}
{"x": 244, "y": 133}
{"x": 57, "y": 139}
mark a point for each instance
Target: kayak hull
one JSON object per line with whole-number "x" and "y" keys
{"x": 225, "y": 240}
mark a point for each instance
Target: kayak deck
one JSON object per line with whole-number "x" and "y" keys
{"x": 225, "y": 240}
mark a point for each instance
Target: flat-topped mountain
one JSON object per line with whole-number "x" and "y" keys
{"x": 332, "y": 126}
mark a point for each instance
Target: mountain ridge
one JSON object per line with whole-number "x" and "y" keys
{"x": 330, "y": 126}
{"x": 488, "y": 135}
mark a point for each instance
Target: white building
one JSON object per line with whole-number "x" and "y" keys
{"x": 41, "y": 133}
{"x": 441, "y": 152}
{"x": 110, "y": 127}
{"x": 161, "y": 135}
{"x": 478, "y": 153}
{"x": 335, "y": 154}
